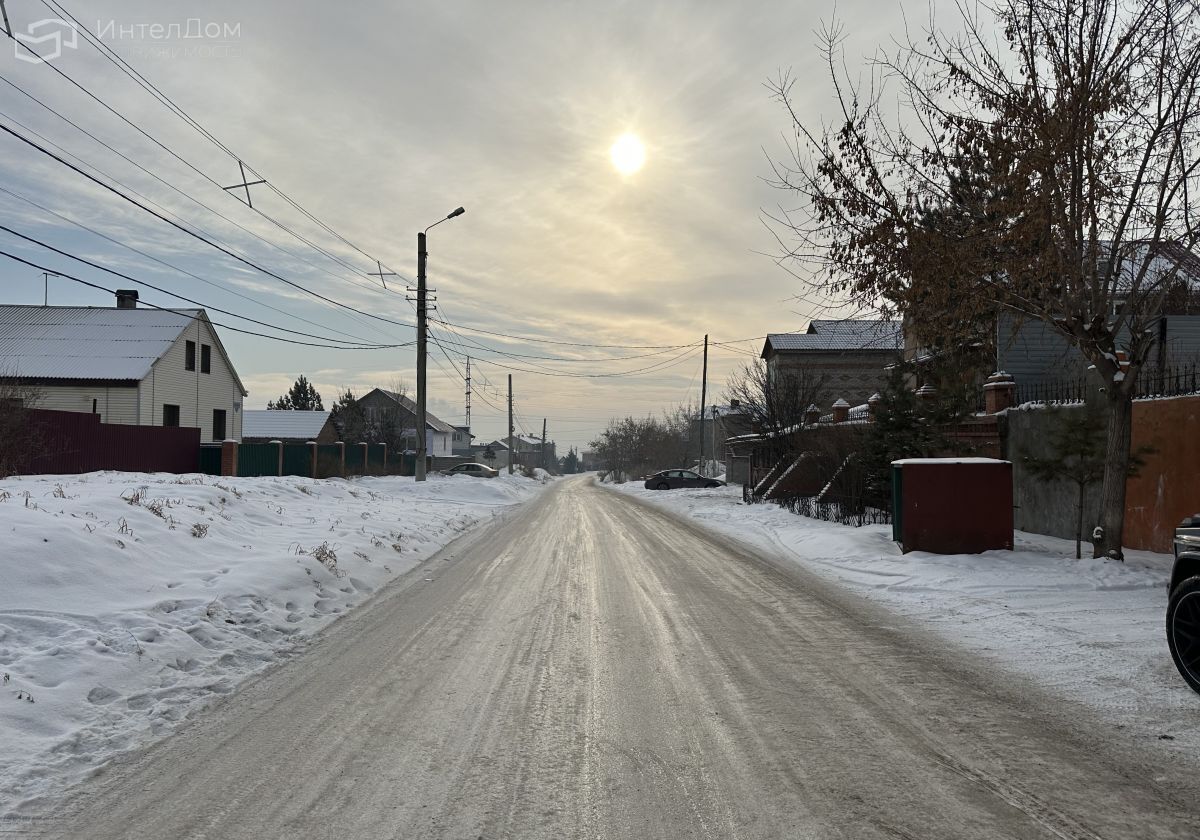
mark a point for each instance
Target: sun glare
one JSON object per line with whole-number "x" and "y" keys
{"x": 628, "y": 154}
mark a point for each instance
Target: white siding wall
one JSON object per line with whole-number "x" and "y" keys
{"x": 197, "y": 394}
{"x": 114, "y": 405}
{"x": 438, "y": 444}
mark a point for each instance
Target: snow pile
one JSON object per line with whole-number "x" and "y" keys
{"x": 128, "y": 601}
{"x": 1090, "y": 630}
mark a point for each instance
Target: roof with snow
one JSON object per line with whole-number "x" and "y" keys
{"x": 283, "y": 425}
{"x": 846, "y": 334}
{"x": 432, "y": 422}
{"x": 87, "y": 342}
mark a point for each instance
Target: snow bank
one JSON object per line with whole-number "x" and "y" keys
{"x": 128, "y": 601}
{"x": 1089, "y": 630}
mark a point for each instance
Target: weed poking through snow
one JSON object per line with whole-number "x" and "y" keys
{"x": 199, "y": 530}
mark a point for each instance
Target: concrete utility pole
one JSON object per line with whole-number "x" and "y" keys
{"x": 422, "y": 447}
{"x": 421, "y": 357}
{"x": 543, "y": 443}
{"x": 703, "y": 397}
{"x": 511, "y": 452}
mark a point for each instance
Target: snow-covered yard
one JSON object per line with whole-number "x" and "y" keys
{"x": 1089, "y": 630}
{"x": 129, "y": 601}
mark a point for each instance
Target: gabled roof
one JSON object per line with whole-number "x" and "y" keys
{"x": 284, "y": 425}
{"x": 846, "y": 335}
{"x": 88, "y": 342}
{"x": 409, "y": 405}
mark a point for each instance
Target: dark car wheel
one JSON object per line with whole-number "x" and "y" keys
{"x": 1183, "y": 630}
{"x": 662, "y": 485}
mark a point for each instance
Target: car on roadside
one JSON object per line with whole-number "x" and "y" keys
{"x": 1183, "y": 603}
{"x": 674, "y": 479}
{"x": 477, "y": 470}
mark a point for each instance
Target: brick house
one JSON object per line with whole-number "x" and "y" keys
{"x": 850, "y": 356}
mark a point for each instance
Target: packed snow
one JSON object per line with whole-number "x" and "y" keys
{"x": 1089, "y": 630}
{"x": 130, "y": 601}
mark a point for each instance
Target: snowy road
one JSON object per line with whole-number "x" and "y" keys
{"x": 592, "y": 667}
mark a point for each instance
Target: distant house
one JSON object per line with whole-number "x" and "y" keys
{"x": 264, "y": 426}
{"x": 849, "y": 357}
{"x": 527, "y": 452}
{"x": 131, "y": 366}
{"x": 460, "y": 441}
{"x": 399, "y": 413}
{"x": 719, "y": 422}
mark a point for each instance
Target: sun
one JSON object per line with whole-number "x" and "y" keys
{"x": 628, "y": 154}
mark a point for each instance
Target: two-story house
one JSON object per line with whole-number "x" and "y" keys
{"x": 849, "y": 358}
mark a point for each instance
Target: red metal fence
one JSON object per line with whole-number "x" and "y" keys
{"x": 68, "y": 442}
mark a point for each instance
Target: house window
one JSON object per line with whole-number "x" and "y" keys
{"x": 170, "y": 415}
{"x": 93, "y": 405}
{"x": 189, "y": 356}
{"x": 218, "y": 424}
{"x": 205, "y": 359}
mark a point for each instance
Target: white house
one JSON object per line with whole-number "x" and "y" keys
{"x": 141, "y": 367}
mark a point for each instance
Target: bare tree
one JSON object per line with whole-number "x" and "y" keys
{"x": 19, "y": 436}
{"x": 774, "y": 401}
{"x": 1049, "y": 172}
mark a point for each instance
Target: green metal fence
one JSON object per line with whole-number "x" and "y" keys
{"x": 255, "y": 459}
{"x": 296, "y": 459}
{"x": 210, "y": 459}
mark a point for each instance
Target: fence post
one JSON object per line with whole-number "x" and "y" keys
{"x": 341, "y": 445}
{"x": 999, "y": 392}
{"x": 841, "y": 411}
{"x": 873, "y": 403}
{"x": 278, "y": 457}
{"x": 366, "y": 456}
{"x": 812, "y": 415}
{"x": 312, "y": 459}
{"x": 385, "y": 464}
{"x": 229, "y": 457}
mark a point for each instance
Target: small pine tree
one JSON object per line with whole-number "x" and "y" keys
{"x": 349, "y": 418}
{"x": 1078, "y": 441}
{"x": 303, "y": 396}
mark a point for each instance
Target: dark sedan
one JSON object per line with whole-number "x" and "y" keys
{"x": 674, "y": 479}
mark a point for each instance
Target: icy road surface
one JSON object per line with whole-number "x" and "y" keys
{"x": 592, "y": 667}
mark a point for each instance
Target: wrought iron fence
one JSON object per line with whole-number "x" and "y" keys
{"x": 845, "y": 510}
{"x": 1169, "y": 381}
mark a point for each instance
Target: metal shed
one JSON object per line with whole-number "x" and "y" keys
{"x": 952, "y": 505}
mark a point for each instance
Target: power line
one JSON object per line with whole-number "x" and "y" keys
{"x": 171, "y": 266}
{"x": 123, "y": 276}
{"x": 175, "y": 108}
{"x": 83, "y": 282}
{"x": 564, "y": 343}
{"x": 192, "y": 233}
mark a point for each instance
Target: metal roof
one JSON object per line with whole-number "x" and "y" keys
{"x": 77, "y": 342}
{"x": 432, "y": 422}
{"x": 283, "y": 425}
{"x": 840, "y": 335}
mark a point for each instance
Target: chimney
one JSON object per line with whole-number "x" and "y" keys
{"x": 127, "y": 298}
{"x": 734, "y": 405}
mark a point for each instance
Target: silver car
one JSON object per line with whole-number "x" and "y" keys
{"x": 673, "y": 479}
{"x": 477, "y": 470}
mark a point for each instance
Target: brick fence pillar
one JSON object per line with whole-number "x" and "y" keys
{"x": 841, "y": 411}
{"x": 873, "y": 403}
{"x": 312, "y": 459}
{"x": 999, "y": 392}
{"x": 812, "y": 415}
{"x": 341, "y": 445}
{"x": 385, "y": 464}
{"x": 366, "y": 457}
{"x": 278, "y": 444}
{"x": 926, "y": 393}
{"x": 229, "y": 457}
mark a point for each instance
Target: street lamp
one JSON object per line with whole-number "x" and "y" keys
{"x": 422, "y": 448}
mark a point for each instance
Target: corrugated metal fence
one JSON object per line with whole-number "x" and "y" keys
{"x": 69, "y": 442}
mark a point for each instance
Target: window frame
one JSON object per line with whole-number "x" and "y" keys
{"x": 224, "y": 424}
{"x": 166, "y": 412}
{"x": 206, "y": 358}
{"x": 189, "y": 355}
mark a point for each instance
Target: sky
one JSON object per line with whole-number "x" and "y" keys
{"x": 378, "y": 119}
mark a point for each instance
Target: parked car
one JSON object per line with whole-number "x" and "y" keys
{"x": 673, "y": 479}
{"x": 477, "y": 470}
{"x": 1183, "y": 605}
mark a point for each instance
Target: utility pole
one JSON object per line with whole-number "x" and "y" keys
{"x": 421, "y": 353}
{"x": 543, "y": 443}
{"x": 511, "y": 451}
{"x": 468, "y": 395}
{"x": 703, "y": 397}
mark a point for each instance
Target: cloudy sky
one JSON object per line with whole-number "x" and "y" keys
{"x": 378, "y": 119}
